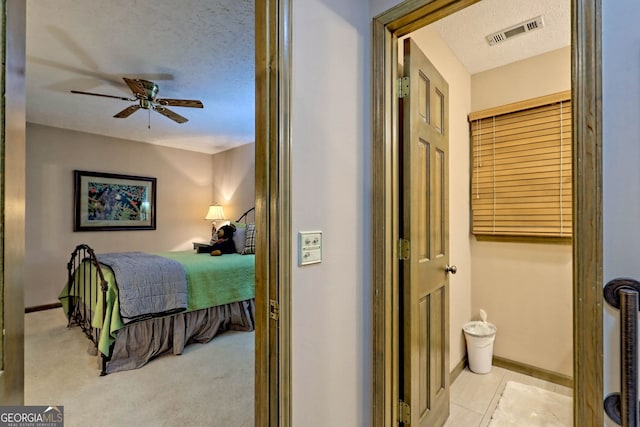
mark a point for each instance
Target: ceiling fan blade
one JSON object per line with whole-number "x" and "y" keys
{"x": 193, "y": 103}
{"x": 170, "y": 114}
{"x": 103, "y": 95}
{"x": 136, "y": 87}
{"x": 127, "y": 111}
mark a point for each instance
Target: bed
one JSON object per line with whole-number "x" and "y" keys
{"x": 217, "y": 295}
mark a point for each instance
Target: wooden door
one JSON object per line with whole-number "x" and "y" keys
{"x": 425, "y": 242}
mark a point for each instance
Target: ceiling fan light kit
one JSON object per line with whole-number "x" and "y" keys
{"x": 146, "y": 93}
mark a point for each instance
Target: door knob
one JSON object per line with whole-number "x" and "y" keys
{"x": 450, "y": 269}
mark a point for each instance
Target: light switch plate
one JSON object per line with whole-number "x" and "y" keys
{"x": 309, "y": 247}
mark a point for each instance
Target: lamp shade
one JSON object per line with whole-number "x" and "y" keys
{"x": 215, "y": 213}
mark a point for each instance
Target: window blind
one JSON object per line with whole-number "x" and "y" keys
{"x": 521, "y": 169}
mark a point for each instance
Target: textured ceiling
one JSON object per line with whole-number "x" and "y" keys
{"x": 194, "y": 49}
{"x": 204, "y": 49}
{"x": 465, "y": 31}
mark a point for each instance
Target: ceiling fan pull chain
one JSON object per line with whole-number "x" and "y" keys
{"x": 149, "y": 125}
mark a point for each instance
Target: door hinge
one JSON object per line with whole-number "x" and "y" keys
{"x": 402, "y": 87}
{"x": 404, "y": 249}
{"x": 404, "y": 413}
{"x": 274, "y": 309}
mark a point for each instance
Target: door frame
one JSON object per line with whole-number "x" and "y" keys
{"x": 12, "y": 204}
{"x": 586, "y": 66}
{"x": 273, "y": 213}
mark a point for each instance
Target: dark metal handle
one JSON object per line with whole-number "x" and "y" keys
{"x": 451, "y": 269}
{"x": 623, "y": 407}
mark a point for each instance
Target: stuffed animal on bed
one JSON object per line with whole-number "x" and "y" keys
{"x": 224, "y": 244}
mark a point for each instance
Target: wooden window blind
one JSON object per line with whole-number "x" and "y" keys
{"x": 521, "y": 168}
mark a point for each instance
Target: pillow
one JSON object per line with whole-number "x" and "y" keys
{"x": 239, "y": 238}
{"x": 250, "y": 240}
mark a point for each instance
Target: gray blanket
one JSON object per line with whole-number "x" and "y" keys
{"x": 148, "y": 285}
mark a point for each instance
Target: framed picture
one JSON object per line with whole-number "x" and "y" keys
{"x": 106, "y": 201}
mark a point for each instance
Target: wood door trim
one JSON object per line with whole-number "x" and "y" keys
{"x": 273, "y": 212}
{"x": 587, "y": 255}
{"x": 384, "y": 225}
{"x": 586, "y": 78}
{"x": 13, "y": 202}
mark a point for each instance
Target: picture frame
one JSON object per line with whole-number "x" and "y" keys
{"x": 110, "y": 202}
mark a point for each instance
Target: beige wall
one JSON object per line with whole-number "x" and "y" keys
{"x": 233, "y": 179}
{"x": 460, "y": 253}
{"x": 184, "y": 189}
{"x": 526, "y": 289}
{"x": 530, "y": 78}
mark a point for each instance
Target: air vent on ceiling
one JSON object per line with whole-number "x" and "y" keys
{"x": 521, "y": 28}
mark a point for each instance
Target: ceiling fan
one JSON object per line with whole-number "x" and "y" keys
{"x": 145, "y": 93}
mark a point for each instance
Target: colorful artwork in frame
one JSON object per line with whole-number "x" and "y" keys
{"x": 106, "y": 201}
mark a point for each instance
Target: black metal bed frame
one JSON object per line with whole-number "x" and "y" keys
{"x": 79, "y": 313}
{"x": 244, "y": 215}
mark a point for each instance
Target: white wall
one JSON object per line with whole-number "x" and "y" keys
{"x": 376, "y": 7}
{"x": 331, "y": 336}
{"x": 621, "y": 153}
{"x": 183, "y": 195}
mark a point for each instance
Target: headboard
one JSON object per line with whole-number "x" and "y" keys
{"x": 245, "y": 215}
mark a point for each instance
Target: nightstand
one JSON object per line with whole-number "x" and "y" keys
{"x": 202, "y": 247}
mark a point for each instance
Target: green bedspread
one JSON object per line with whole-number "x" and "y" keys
{"x": 211, "y": 281}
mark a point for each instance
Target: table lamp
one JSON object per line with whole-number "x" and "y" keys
{"x": 214, "y": 214}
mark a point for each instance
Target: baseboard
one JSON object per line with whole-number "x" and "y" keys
{"x": 457, "y": 370}
{"x": 522, "y": 368}
{"x": 42, "y": 307}
{"x": 533, "y": 371}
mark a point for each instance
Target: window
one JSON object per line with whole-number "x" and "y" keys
{"x": 521, "y": 168}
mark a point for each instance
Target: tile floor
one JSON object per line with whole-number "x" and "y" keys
{"x": 474, "y": 397}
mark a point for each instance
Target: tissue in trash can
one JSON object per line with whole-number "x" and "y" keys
{"x": 480, "y": 329}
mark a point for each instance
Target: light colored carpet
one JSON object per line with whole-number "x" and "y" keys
{"x": 208, "y": 385}
{"x": 525, "y": 405}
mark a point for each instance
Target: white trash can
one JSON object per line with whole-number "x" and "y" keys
{"x": 480, "y": 336}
